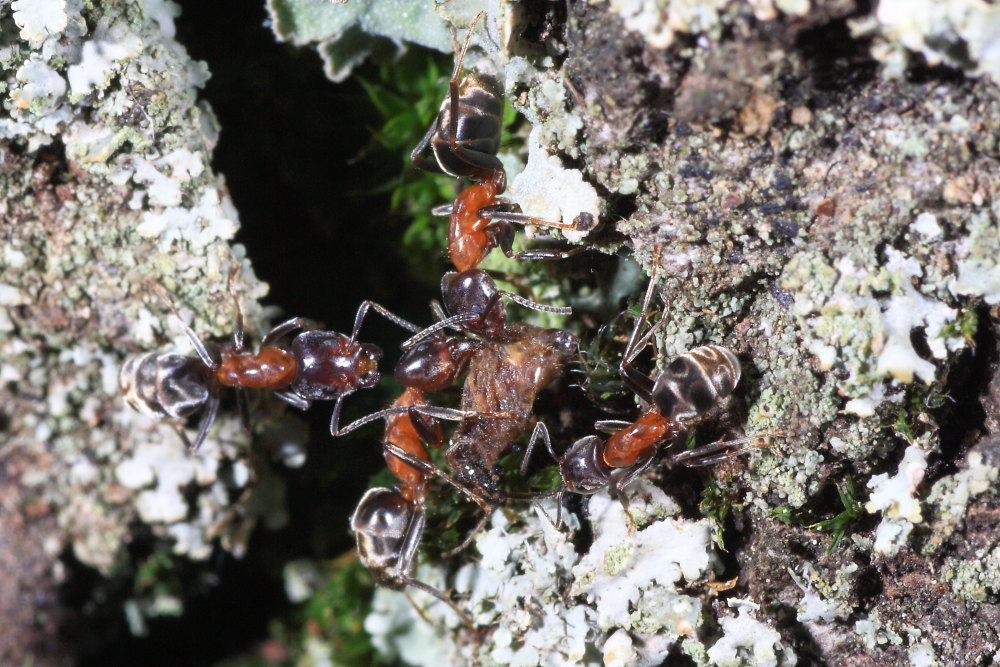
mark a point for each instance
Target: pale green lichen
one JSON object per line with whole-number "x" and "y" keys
{"x": 133, "y": 205}
{"x": 950, "y": 496}
{"x": 346, "y": 33}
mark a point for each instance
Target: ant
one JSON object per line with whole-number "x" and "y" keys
{"x": 432, "y": 362}
{"x": 505, "y": 374}
{"x": 389, "y": 523}
{"x": 321, "y": 365}
{"x": 465, "y": 139}
{"x": 681, "y": 394}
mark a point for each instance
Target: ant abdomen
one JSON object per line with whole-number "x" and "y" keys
{"x": 477, "y": 128}
{"x": 695, "y": 382}
{"x": 382, "y": 521}
{"x": 331, "y": 365}
{"x": 169, "y": 385}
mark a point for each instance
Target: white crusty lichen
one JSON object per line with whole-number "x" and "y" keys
{"x": 659, "y": 22}
{"x": 104, "y": 93}
{"x": 978, "y": 268}
{"x": 549, "y": 191}
{"x": 534, "y": 600}
{"x": 747, "y": 641}
{"x": 959, "y": 33}
{"x": 896, "y": 498}
{"x": 860, "y": 319}
{"x": 950, "y": 496}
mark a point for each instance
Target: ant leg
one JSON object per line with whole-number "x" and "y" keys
{"x": 294, "y": 399}
{"x": 540, "y": 431}
{"x": 628, "y": 476}
{"x": 442, "y": 211}
{"x": 453, "y": 84}
{"x": 440, "y": 595}
{"x": 336, "y": 430}
{"x": 722, "y": 450}
{"x": 540, "y": 307}
{"x": 640, "y": 384}
{"x": 284, "y": 328}
{"x": 438, "y": 326}
{"x": 422, "y": 163}
{"x": 335, "y": 417}
{"x": 437, "y": 311}
{"x": 497, "y": 213}
{"x": 206, "y": 422}
{"x": 199, "y": 347}
{"x": 244, "y": 408}
{"x": 471, "y": 536}
{"x": 183, "y": 436}
{"x": 359, "y": 318}
{"x": 550, "y": 254}
{"x": 426, "y": 466}
{"x": 611, "y": 425}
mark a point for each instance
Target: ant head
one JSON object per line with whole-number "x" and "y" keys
{"x": 435, "y": 363}
{"x": 583, "y": 468}
{"x": 380, "y": 523}
{"x": 473, "y": 291}
{"x": 330, "y": 364}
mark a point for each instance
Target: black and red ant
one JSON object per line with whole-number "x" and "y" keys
{"x": 320, "y": 365}
{"x": 465, "y": 136}
{"x": 683, "y": 393}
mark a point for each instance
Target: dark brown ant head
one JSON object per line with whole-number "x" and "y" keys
{"x": 331, "y": 365}
{"x": 381, "y": 522}
{"x": 473, "y": 291}
{"x": 471, "y": 471}
{"x": 435, "y": 363}
{"x": 583, "y": 468}
{"x": 173, "y": 386}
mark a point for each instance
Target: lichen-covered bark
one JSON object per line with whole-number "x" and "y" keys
{"x": 816, "y": 187}
{"x": 829, "y": 210}
{"x": 106, "y": 196}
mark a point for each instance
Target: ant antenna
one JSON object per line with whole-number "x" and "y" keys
{"x": 540, "y": 307}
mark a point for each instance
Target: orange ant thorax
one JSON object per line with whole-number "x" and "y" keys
{"x": 468, "y": 240}
{"x": 270, "y": 368}
{"x": 400, "y": 431}
{"x": 638, "y": 440}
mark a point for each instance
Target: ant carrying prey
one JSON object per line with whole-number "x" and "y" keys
{"x": 389, "y": 523}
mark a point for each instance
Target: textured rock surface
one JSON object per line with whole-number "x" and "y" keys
{"x": 826, "y": 204}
